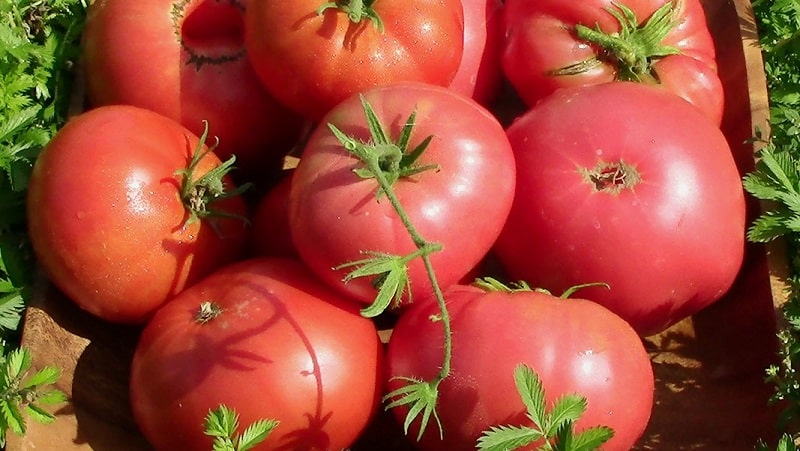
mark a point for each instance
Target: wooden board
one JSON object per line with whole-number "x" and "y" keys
{"x": 709, "y": 369}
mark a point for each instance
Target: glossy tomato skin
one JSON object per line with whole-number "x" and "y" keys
{"x": 480, "y": 75}
{"x": 334, "y": 215}
{"x": 186, "y": 60}
{"x": 283, "y": 347}
{"x": 541, "y": 39}
{"x": 106, "y": 219}
{"x": 574, "y": 346}
{"x": 313, "y": 61}
{"x": 669, "y": 243}
{"x": 270, "y": 234}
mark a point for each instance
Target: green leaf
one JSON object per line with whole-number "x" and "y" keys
{"x": 592, "y": 438}
{"x": 45, "y": 376}
{"x": 504, "y": 438}
{"x": 39, "y": 414}
{"x": 222, "y": 423}
{"x": 421, "y": 397}
{"x": 531, "y": 390}
{"x": 554, "y": 428}
{"x": 12, "y": 416}
{"x": 566, "y": 410}
{"x": 256, "y": 433}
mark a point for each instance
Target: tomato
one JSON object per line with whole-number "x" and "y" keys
{"x": 555, "y": 43}
{"x": 270, "y": 234}
{"x": 264, "y": 338}
{"x": 186, "y": 60}
{"x": 480, "y": 76}
{"x": 107, "y": 220}
{"x": 573, "y": 345}
{"x": 644, "y": 196}
{"x": 335, "y": 216}
{"x": 312, "y": 58}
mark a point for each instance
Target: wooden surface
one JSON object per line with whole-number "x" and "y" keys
{"x": 709, "y": 369}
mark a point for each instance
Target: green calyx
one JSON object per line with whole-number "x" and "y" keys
{"x": 634, "y": 48}
{"x": 356, "y": 10}
{"x": 490, "y": 284}
{"x": 394, "y": 159}
{"x": 199, "y": 194}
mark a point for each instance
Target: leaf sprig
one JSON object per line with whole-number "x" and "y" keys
{"x": 222, "y": 423}
{"x": 387, "y": 161}
{"x": 23, "y": 395}
{"x": 553, "y": 429}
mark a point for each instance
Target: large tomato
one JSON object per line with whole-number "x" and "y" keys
{"x": 644, "y": 196}
{"x": 557, "y": 43}
{"x": 186, "y": 60}
{"x": 480, "y": 75}
{"x": 265, "y": 338}
{"x": 574, "y": 346}
{"x": 107, "y": 218}
{"x": 336, "y": 215}
{"x": 312, "y": 58}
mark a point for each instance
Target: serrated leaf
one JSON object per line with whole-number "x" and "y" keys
{"x": 17, "y": 362}
{"x": 221, "y": 422}
{"x": 51, "y": 397}
{"x": 504, "y": 438}
{"x": 255, "y": 434}
{"x": 45, "y": 376}
{"x": 39, "y": 414}
{"x": 531, "y": 390}
{"x": 566, "y": 410}
{"x": 592, "y": 438}
{"x": 12, "y": 416}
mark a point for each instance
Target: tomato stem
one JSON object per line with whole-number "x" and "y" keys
{"x": 386, "y": 161}
{"x": 634, "y": 47}
{"x": 199, "y": 193}
{"x": 356, "y": 10}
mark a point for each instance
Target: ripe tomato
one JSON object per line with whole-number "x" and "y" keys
{"x": 107, "y": 220}
{"x": 335, "y": 216}
{"x": 270, "y": 235}
{"x": 480, "y": 75}
{"x": 574, "y": 345}
{"x": 312, "y": 58}
{"x": 545, "y": 49}
{"x": 186, "y": 60}
{"x": 644, "y": 196}
{"x": 265, "y": 338}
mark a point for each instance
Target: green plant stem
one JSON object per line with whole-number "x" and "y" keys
{"x": 373, "y": 162}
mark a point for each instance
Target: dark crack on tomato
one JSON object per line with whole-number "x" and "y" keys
{"x": 611, "y": 177}
{"x": 196, "y": 58}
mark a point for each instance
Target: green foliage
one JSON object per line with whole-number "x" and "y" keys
{"x": 222, "y": 423}
{"x": 776, "y": 179}
{"x": 553, "y": 429}
{"x": 23, "y": 395}
{"x": 39, "y": 47}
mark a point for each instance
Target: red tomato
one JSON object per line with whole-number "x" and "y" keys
{"x": 480, "y": 75}
{"x": 335, "y": 216}
{"x": 271, "y": 342}
{"x": 270, "y": 235}
{"x": 544, "y": 51}
{"x": 574, "y": 346}
{"x": 311, "y": 60}
{"x": 107, "y": 220}
{"x": 644, "y": 196}
{"x": 186, "y": 60}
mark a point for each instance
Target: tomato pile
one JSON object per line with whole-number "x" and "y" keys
{"x": 263, "y": 186}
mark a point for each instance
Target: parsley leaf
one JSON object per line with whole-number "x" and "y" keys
{"x": 554, "y": 428}
{"x": 39, "y": 48}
